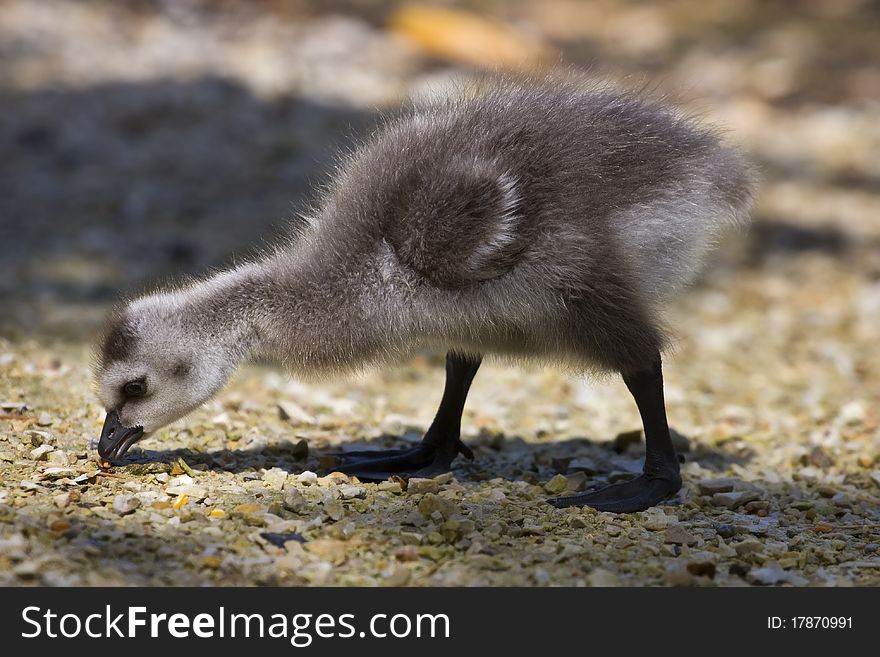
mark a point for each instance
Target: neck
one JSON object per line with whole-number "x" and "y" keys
{"x": 302, "y": 318}
{"x": 224, "y": 313}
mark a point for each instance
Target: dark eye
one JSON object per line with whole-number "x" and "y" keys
{"x": 135, "y": 388}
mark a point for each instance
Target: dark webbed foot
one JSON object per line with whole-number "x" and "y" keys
{"x": 661, "y": 477}
{"x": 441, "y": 444}
{"x": 424, "y": 460}
{"x": 630, "y": 496}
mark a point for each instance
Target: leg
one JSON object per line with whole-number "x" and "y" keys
{"x": 661, "y": 477}
{"x": 442, "y": 442}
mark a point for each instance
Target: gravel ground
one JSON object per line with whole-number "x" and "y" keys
{"x": 153, "y": 143}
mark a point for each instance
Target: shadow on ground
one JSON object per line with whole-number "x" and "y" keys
{"x": 496, "y": 455}
{"x": 106, "y": 188}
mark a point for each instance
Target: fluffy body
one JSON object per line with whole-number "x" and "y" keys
{"x": 529, "y": 220}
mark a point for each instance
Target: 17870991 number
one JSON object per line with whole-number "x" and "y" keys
{"x": 809, "y": 623}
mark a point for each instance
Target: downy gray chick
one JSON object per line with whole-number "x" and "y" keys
{"x": 532, "y": 220}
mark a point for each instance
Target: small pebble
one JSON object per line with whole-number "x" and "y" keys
{"x": 417, "y": 485}
{"x": 557, "y": 485}
{"x": 734, "y": 499}
{"x": 773, "y": 574}
{"x": 125, "y": 504}
{"x": 275, "y": 478}
{"x": 41, "y": 453}
{"x": 351, "y": 491}
{"x": 334, "y": 509}
{"x": 431, "y": 504}
{"x": 295, "y": 501}
{"x": 713, "y": 486}
{"x": 678, "y": 535}
{"x": 307, "y": 478}
{"x": 390, "y": 486}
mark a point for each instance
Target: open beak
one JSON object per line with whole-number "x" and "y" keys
{"x": 117, "y": 438}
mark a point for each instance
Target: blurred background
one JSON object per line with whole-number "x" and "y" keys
{"x": 145, "y": 139}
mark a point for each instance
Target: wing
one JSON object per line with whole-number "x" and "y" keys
{"x": 458, "y": 225}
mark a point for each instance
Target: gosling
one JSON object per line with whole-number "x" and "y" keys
{"x": 534, "y": 220}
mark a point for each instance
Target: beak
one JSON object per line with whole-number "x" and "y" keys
{"x": 117, "y": 438}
